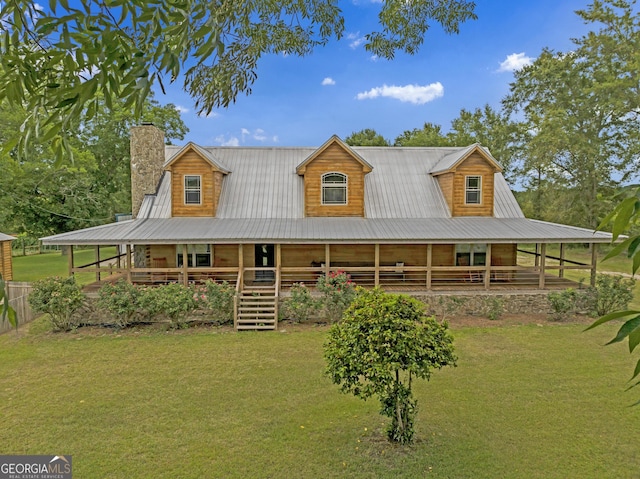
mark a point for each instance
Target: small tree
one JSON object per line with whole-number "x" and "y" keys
{"x": 382, "y": 343}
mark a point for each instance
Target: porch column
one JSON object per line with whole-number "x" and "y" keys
{"x": 429, "y": 265}
{"x": 70, "y": 261}
{"x": 118, "y": 254}
{"x": 97, "y": 257}
{"x": 185, "y": 273}
{"x": 376, "y": 263}
{"x": 128, "y": 261}
{"x": 543, "y": 258}
{"x": 594, "y": 262}
{"x": 561, "y": 270}
{"x": 327, "y": 258}
{"x": 487, "y": 271}
{"x": 241, "y": 264}
{"x": 537, "y": 257}
{"x": 278, "y": 266}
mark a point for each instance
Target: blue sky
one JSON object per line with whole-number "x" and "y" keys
{"x": 340, "y": 88}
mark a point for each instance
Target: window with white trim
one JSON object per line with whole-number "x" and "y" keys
{"x": 197, "y": 254}
{"x": 334, "y": 189}
{"x": 473, "y": 190}
{"x": 192, "y": 189}
{"x": 471, "y": 254}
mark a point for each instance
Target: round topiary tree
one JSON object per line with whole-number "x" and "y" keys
{"x": 382, "y": 343}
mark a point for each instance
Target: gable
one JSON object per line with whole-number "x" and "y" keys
{"x": 334, "y": 182}
{"x": 193, "y": 173}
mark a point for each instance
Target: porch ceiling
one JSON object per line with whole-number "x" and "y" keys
{"x": 329, "y": 230}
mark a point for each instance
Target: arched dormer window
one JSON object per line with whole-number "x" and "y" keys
{"x": 334, "y": 189}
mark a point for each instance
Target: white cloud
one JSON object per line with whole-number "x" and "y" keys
{"x": 355, "y": 40}
{"x": 182, "y": 109}
{"x": 259, "y": 135}
{"x": 514, "y": 62}
{"x": 328, "y": 81}
{"x": 417, "y": 94}
{"x": 231, "y": 141}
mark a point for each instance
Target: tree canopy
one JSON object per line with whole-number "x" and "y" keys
{"x": 55, "y": 58}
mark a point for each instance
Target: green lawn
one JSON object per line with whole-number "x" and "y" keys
{"x": 531, "y": 401}
{"x": 32, "y": 268}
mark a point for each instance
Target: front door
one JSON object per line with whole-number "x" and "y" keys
{"x": 265, "y": 258}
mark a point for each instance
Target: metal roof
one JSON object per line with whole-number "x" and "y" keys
{"x": 4, "y": 237}
{"x": 337, "y": 230}
{"x": 263, "y": 183}
{"x": 262, "y": 199}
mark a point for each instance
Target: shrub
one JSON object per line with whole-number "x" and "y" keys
{"x": 121, "y": 300}
{"x": 492, "y": 308}
{"x": 611, "y": 293}
{"x": 219, "y": 299}
{"x": 338, "y": 292}
{"x": 60, "y": 298}
{"x": 174, "y": 301}
{"x": 300, "y": 305}
{"x": 563, "y": 303}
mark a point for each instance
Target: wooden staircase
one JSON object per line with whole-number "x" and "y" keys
{"x": 257, "y": 308}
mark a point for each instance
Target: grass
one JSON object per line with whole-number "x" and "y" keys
{"x": 530, "y": 401}
{"x": 35, "y": 267}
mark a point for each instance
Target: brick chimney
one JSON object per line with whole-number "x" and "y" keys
{"x": 147, "y": 159}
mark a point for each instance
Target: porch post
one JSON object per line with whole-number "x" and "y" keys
{"x": 487, "y": 272}
{"x": 327, "y": 258}
{"x": 594, "y": 262}
{"x": 561, "y": 270}
{"x": 128, "y": 261}
{"x": 543, "y": 259}
{"x": 241, "y": 264}
{"x": 537, "y": 258}
{"x": 97, "y": 257}
{"x": 429, "y": 265}
{"x": 185, "y": 272}
{"x": 118, "y": 254}
{"x": 70, "y": 261}
{"x": 278, "y": 266}
{"x": 376, "y": 263}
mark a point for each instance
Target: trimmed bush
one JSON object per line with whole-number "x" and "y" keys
{"x": 338, "y": 292}
{"x": 173, "y": 301}
{"x": 60, "y": 298}
{"x": 300, "y": 305}
{"x": 121, "y": 301}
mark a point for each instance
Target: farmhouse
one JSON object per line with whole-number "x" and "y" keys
{"x": 6, "y": 266}
{"x": 411, "y": 219}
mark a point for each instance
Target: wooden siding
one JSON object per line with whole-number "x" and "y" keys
{"x": 446, "y": 185}
{"x": 191, "y": 163}
{"x": 6, "y": 265}
{"x": 410, "y": 255}
{"x": 352, "y": 254}
{"x": 226, "y": 255}
{"x": 160, "y": 253}
{"x": 453, "y": 185}
{"x": 474, "y": 165}
{"x": 301, "y": 255}
{"x": 443, "y": 255}
{"x": 334, "y": 159}
{"x": 504, "y": 254}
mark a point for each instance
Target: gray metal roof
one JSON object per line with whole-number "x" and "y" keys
{"x": 4, "y": 237}
{"x": 338, "y": 230}
{"x": 262, "y": 199}
{"x": 263, "y": 184}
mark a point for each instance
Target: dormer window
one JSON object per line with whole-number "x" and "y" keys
{"x": 334, "y": 189}
{"x": 192, "y": 190}
{"x": 473, "y": 190}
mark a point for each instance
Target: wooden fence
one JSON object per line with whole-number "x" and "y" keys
{"x": 18, "y": 294}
